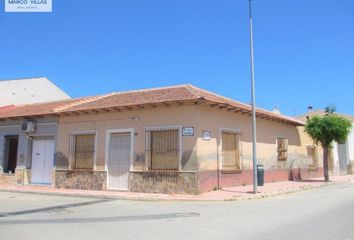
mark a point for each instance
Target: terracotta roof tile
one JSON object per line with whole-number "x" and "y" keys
{"x": 137, "y": 98}
{"x": 36, "y": 109}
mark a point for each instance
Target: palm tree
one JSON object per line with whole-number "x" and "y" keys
{"x": 324, "y": 130}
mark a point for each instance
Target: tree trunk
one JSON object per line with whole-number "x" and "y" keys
{"x": 325, "y": 164}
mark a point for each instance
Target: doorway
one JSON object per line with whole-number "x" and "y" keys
{"x": 11, "y": 146}
{"x": 119, "y": 159}
{"x": 42, "y": 161}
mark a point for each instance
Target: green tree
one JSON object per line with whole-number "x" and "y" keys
{"x": 324, "y": 130}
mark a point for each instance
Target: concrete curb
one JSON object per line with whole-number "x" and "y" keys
{"x": 157, "y": 199}
{"x": 281, "y": 192}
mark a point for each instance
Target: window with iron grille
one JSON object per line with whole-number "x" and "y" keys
{"x": 231, "y": 160}
{"x": 82, "y": 151}
{"x": 312, "y": 156}
{"x": 282, "y": 149}
{"x": 163, "y": 150}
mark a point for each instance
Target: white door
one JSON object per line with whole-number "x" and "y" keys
{"x": 42, "y": 161}
{"x": 119, "y": 161}
{"x": 343, "y": 158}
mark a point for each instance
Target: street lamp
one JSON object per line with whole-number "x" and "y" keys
{"x": 253, "y": 94}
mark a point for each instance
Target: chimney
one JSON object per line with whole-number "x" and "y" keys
{"x": 276, "y": 110}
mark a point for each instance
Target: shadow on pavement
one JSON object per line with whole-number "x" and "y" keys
{"x": 52, "y": 208}
{"x": 100, "y": 220}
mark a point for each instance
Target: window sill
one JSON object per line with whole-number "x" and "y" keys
{"x": 77, "y": 170}
{"x": 312, "y": 168}
{"x": 160, "y": 172}
{"x": 231, "y": 171}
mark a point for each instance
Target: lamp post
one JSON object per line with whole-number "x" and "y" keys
{"x": 253, "y": 94}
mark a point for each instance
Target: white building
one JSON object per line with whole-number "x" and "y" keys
{"x": 29, "y": 90}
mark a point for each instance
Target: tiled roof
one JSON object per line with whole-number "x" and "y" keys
{"x": 321, "y": 112}
{"x": 181, "y": 93}
{"x": 140, "y": 97}
{"x": 35, "y": 109}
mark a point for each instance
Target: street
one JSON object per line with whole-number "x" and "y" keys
{"x": 323, "y": 213}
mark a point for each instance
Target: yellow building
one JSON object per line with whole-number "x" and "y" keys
{"x": 178, "y": 139}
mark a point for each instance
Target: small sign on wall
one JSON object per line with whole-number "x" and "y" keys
{"x": 188, "y": 131}
{"x": 206, "y": 135}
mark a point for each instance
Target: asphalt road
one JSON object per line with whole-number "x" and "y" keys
{"x": 325, "y": 213}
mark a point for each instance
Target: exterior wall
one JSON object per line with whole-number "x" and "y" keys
{"x": 31, "y": 90}
{"x": 351, "y": 151}
{"x": 45, "y": 128}
{"x": 201, "y": 160}
{"x": 209, "y": 152}
{"x": 138, "y": 120}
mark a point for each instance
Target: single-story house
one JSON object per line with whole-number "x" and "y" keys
{"x": 341, "y": 157}
{"x": 178, "y": 139}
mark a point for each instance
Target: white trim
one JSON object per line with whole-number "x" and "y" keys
{"x": 108, "y": 140}
{"x": 83, "y": 132}
{"x": 38, "y": 124}
{"x": 41, "y": 135}
{"x": 166, "y": 128}
{"x": 6, "y": 126}
{"x": 75, "y": 133}
{"x": 230, "y": 130}
{"x": 44, "y": 124}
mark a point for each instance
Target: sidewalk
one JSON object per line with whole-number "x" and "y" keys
{"x": 225, "y": 194}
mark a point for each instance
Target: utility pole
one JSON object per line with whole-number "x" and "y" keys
{"x": 253, "y": 94}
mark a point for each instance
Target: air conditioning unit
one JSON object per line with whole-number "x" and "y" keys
{"x": 28, "y": 127}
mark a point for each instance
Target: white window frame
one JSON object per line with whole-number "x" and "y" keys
{"x": 166, "y": 128}
{"x": 230, "y": 130}
{"x": 71, "y": 138}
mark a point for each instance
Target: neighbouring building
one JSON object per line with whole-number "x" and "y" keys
{"x": 341, "y": 157}
{"x": 29, "y": 90}
{"x": 28, "y": 141}
{"x": 16, "y": 144}
{"x": 179, "y": 139}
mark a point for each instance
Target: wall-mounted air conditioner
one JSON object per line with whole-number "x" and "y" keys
{"x": 28, "y": 127}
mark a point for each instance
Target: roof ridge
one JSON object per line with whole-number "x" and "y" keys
{"x": 150, "y": 89}
{"x": 220, "y": 96}
{"x": 83, "y": 100}
{"x": 193, "y": 89}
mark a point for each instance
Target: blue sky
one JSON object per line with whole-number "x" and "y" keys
{"x": 304, "y": 49}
